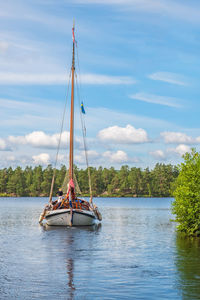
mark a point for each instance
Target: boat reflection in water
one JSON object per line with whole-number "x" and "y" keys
{"x": 187, "y": 263}
{"x": 94, "y": 227}
{"x": 67, "y": 248}
{"x": 70, "y": 269}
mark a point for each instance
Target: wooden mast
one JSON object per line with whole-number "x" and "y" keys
{"x": 71, "y": 147}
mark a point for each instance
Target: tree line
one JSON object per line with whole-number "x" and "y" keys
{"x": 108, "y": 182}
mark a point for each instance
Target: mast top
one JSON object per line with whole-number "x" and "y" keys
{"x": 73, "y": 36}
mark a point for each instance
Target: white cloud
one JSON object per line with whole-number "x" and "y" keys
{"x": 178, "y": 138}
{"x": 8, "y": 78}
{"x": 92, "y": 156}
{"x": 40, "y": 139}
{"x": 107, "y": 157}
{"x": 168, "y": 77}
{"x": 16, "y": 160}
{"x": 158, "y": 154}
{"x": 120, "y": 135}
{"x": 180, "y": 149}
{"x": 3, "y": 145}
{"x": 155, "y": 99}
{"x": 197, "y": 139}
{"x": 116, "y": 157}
{"x": 42, "y": 158}
{"x": 17, "y": 140}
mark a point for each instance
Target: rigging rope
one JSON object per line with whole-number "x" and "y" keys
{"x": 84, "y": 140}
{"x": 83, "y": 127}
{"x": 83, "y": 133}
{"x": 59, "y": 142}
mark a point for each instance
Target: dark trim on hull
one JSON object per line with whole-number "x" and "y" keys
{"x": 68, "y": 212}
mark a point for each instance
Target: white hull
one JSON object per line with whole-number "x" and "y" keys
{"x": 62, "y": 217}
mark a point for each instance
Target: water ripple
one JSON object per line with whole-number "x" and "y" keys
{"x": 134, "y": 254}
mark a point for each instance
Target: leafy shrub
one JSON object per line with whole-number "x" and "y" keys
{"x": 186, "y": 206}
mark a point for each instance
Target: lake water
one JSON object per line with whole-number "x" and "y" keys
{"x": 134, "y": 254}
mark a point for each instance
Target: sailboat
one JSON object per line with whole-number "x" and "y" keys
{"x": 69, "y": 209}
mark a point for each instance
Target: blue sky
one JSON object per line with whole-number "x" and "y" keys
{"x": 139, "y": 69}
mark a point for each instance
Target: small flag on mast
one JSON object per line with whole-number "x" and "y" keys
{"x": 82, "y": 108}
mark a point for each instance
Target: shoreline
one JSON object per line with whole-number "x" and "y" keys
{"x": 152, "y": 197}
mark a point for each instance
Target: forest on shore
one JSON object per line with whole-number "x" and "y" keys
{"x": 106, "y": 182}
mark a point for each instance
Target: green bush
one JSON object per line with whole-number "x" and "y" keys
{"x": 186, "y": 205}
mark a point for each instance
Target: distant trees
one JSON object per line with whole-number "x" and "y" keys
{"x": 132, "y": 182}
{"x": 186, "y": 206}
{"x": 16, "y": 182}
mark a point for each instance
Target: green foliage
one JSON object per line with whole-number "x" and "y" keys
{"x": 126, "y": 182}
{"x": 186, "y": 206}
